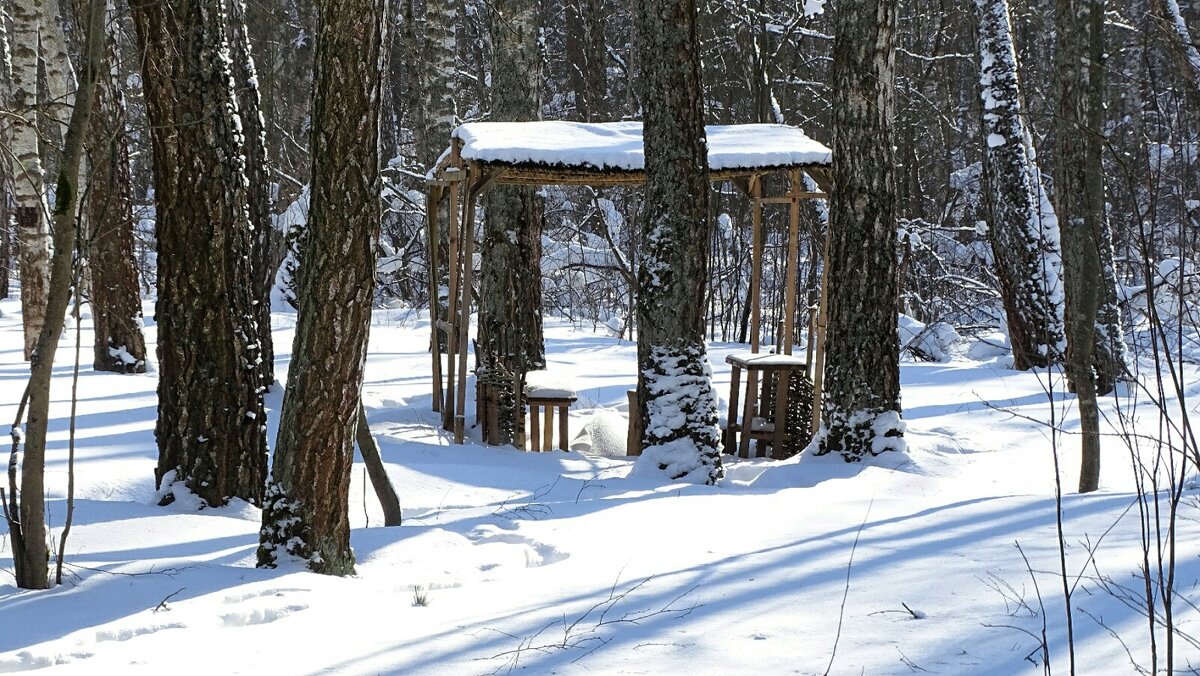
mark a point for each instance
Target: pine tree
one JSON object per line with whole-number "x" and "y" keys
{"x": 307, "y": 508}
{"x": 1022, "y": 227}
{"x": 211, "y": 429}
{"x": 675, "y": 393}
{"x": 861, "y": 400}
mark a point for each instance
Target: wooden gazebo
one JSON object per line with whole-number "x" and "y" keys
{"x": 483, "y": 154}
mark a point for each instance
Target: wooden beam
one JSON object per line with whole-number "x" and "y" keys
{"x": 432, "y": 197}
{"x": 455, "y": 267}
{"x": 465, "y": 314}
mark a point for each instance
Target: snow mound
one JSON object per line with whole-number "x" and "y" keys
{"x": 603, "y": 434}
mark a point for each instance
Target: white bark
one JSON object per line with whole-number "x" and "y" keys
{"x": 33, "y": 235}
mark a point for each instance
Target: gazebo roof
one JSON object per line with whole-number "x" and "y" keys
{"x": 611, "y": 152}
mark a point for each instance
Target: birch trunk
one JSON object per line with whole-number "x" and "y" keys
{"x": 307, "y": 509}
{"x": 116, "y": 302}
{"x": 510, "y": 340}
{"x": 211, "y": 427}
{"x": 254, "y": 141}
{"x": 1079, "y": 201}
{"x": 861, "y": 400}
{"x": 675, "y": 393}
{"x": 33, "y": 235}
{"x": 27, "y": 529}
{"x": 1022, "y": 227}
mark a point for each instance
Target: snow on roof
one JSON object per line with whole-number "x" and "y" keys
{"x": 617, "y": 146}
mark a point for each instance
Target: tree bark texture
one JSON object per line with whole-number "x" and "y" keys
{"x": 861, "y": 400}
{"x": 211, "y": 427}
{"x": 116, "y": 302}
{"x": 1079, "y": 200}
{"x": 1022, "y": 227}
{"x": 431, "y": 45}
{"x": 510, "y": 338}
{"x": 33, "y": 233}
{"x": 6, "y": 168}
{"x": 588, "y": 56}
{"x": 675, "y": 392}
{"x": 307, "y": 509}
{"x": 254, "y": 138}
{"x": 28, "y": 537}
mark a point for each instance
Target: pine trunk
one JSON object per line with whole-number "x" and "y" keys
{"x": 675, "y": 393}
{"x": 510, "y": 341}
{"x": 1022, "y": 227}
{"x": 307, "y": 509}
{"x": 116, "y": 302}
{"x": 211, "y": 427}
{"x": 1079, "y": 200}
{"x": 861, "y": 401}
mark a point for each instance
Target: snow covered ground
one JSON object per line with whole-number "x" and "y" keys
{"x": 561, "y": 563}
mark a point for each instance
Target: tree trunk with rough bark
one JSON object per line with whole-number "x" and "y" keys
{"x": 676, "y": 398}
{"x": 1021, "y": 223}
{"x": 211, "y": 427}
{"x": 254, "y": 140}
{"x": 33, "y": 233}
{"x": 116, "y": 302}
{"x": 861, "y": 400}
{"x": 307, "y": 509}
{"x": 510, "y": 340}
{"x": 1079, "y": 200}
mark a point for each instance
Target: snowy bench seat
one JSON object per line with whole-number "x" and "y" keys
{"x": 546, "y": 391}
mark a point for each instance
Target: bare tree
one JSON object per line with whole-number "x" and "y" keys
{"x": 211, "y": 427}
{"x": 116, "y": 302}
{"x": 1079, "y": 200}
{"x": 510, "y": 277}
{"x": 675, "y": 393}
{"x": 25, "y": 513}
{"x": 306, "y": 513}
{"x": 1021, "y": 224}
{"x": 861, "y": 401}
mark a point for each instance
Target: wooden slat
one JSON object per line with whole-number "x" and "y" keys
{"x": 562, "y": 428}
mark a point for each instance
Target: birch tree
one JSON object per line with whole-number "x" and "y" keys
{"x": 510, "y": 277}
{"x": 306, "y": 513}
{"x": 24, "y": 507}
{"x": 861, "y": 400}
{"x": 1079, "y": 200}
{"x": 1021, "y": 223}
{"x": 211, "y": 427}
{"x": 116, "y": 303}
{"x": 676, "y": 399}
{"x": 33, "y": 233}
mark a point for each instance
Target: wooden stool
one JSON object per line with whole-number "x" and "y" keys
{"x": 544, "y": 394}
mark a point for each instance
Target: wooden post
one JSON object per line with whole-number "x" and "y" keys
{"x": 824, "y": 180}
{"x": 562, "y": 427}
{"x": 787, "y": 334}
{"x": 535, "y": 428}
{"x": 731, "y": 424}
{"x": 468, "y": 268}
{"x": 633, "y": 440}
{"x": 548, "y": 428}
{"x": 455, "y": 267}
{"x": 756, "y": 263}
{"x": 433, "y": 195}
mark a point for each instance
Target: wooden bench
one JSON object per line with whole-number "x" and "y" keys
{"x": 543, "y": 395}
